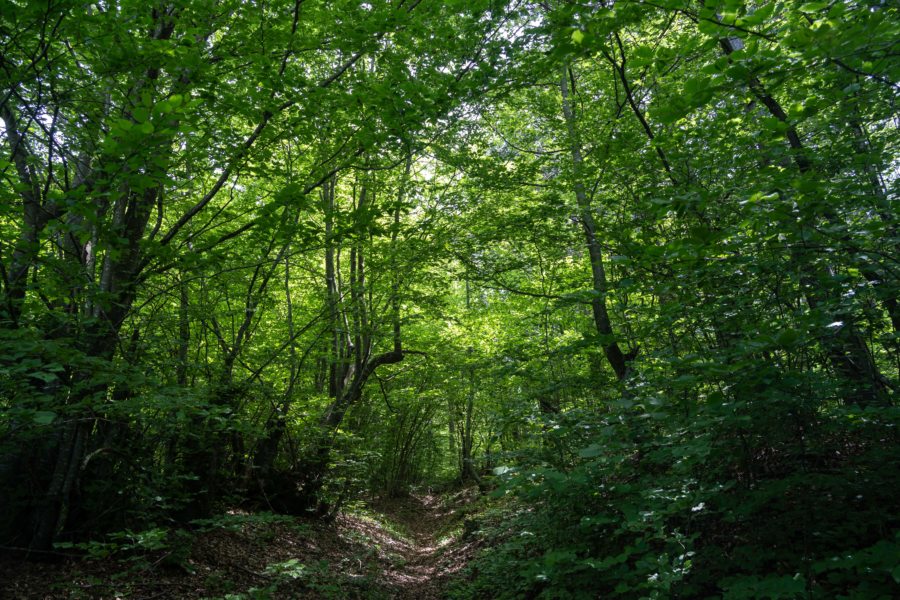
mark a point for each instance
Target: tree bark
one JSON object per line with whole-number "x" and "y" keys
{"x": 846, "y": 349}
{"x": 614, "y": 355}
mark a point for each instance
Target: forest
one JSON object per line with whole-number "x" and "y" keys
{"x": 449, "y": 298}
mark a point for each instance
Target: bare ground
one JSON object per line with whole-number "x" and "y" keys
{"x": 432, "y": 552}
{"x": 407, "y": 548}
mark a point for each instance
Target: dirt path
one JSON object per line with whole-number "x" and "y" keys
{"x": 405, "y": 548}
{"x": 429, "y": 550}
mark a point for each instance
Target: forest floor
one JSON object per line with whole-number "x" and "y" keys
{"x": 400, "y": 548}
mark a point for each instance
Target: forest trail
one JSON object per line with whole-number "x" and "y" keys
{"x": 430, "y": 551}
{"x": 404, "y": 548}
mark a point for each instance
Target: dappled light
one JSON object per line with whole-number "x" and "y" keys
{"x": 458, "y": 299}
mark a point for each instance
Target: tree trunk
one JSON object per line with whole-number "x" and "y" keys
{"x": 844, "y": 345}
{"x": 614, "y": 355}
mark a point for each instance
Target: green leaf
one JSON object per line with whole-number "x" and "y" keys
{"x": 814, "y": 7}
{"x": 140, "y": 114}
{"x": 591, "y": 451}
{"x": 44, "y": 417}
{"x": 787, "y": 337}
{"x": 760, "y": 15}
{"x": 709, "y": 27}
{"x": 44, "y": 376}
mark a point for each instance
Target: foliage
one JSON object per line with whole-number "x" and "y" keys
{"x": 634, "y": 262}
